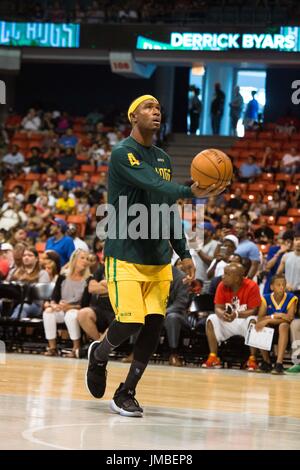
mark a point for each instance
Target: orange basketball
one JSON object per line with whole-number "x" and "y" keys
{"x": 210, "y": 167}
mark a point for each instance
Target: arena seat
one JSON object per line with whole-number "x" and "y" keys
{"x": 293, "y": 212}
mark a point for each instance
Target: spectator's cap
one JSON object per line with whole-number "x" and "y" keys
{"x": 233, "y": 239}
{"x": 137, "y": 102}
{"x": 207, "y": 226}
{"x": 61, "y": 223}
{"x": 72, "y": 228}
{"x": 288, "y": 235}
{"x": 6, "y": 246}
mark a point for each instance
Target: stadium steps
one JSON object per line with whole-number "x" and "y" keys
{"x": 182, "y": 148}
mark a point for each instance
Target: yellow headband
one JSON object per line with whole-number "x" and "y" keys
{"x": 137, "y": 102}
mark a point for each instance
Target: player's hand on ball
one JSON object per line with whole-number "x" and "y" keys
{"x": 188, "y": 267}
{"x": 202, "y": 192}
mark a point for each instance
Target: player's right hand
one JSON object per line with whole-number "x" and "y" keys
{"x": 197, "y": 192}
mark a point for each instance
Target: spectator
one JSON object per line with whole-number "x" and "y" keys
{"x": 203, "y": 257}
{"x": 12, "y": 214}
{"x": 65, "y": 204}
{"x": 96, "y": 318}
{"x": 291, "y": 162}
{"x": 251, "y": 113}
{"x": 59, "y": 242}
{"x": 78, "y": 242}
{"x": 31, "y": 122}
{"x": 176, "y": 315}
{"x": 65, "y": 303}
{"x": 269, "y": 162}
{"x": 222, "y": 255}
{"x": 68, "y": 139}
{"x": 195, "y": 107}
{"x": 236, "y": 305}
{"x": 249, "y": 171}
{"x": 274, "y": 256}
{"x": 30, "y": 272}
{"x": 236, "y": 109}
{"x": 264, "y": 234}
{"x": 70, "y": 183}
{"x": 277, "y": 311}
{"x": 237, "y": 201}
{"x": 290, "y": 265}
{"x": 247, "y": 249}
{"x": 217, "y": 109}
{"x": 13, "y": 161}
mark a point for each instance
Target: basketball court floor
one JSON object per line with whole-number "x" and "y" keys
{"x": 44, "y": 405}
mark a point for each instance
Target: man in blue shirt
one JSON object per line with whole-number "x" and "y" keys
{"x": 59, "y": 242}
{"x": 68, "y": 139}
{"x": 247, "y": 249}
{"x": 251, "y": 114}
{"x": 249, "y": 171}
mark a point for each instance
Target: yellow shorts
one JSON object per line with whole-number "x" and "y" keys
{"x": 137, "y": 290}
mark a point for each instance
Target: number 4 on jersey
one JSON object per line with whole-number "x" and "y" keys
{"x": 132, "y": 160}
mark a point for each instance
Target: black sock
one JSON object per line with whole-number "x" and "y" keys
{"x": 102, "y": 351}
{"x": 135, "y": 373}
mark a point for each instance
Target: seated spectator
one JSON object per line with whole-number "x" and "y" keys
{"x": 68, "y": 139}
{"x": 258, "y": 207}
{"x": 52, "y": 270}
{"x": 50, "y": 255}
{"x": 291, "y": 161}
{"x": 237, "y": 201}
{"x": 30, "y": 272}
{"x": 274, "y": 256}
{"x": 222, "y": 255}
{"x": 70, "y": 183}
{"x": 65, "y": 303}
{"x": 96, "y": 318}
{"x": 236, "y": 305}
{"x": 14, "y": 160}
{"x": 63, "y": 122}
{"x": 249, "y": 171}
{"x": 290, "y": 265}
{"x": 269, "y": 162}
{"x": 60, "y": 242}
{"x": 176, "y": 314}
{"x": 31, "y": 122}
{"x": 277, "y": 206}
{"x": 36, "y": 161}
{"x": 67, "y": 160}
{"x": 277, "y": 311}
{"x": 12, "y": 214}
{"x": 247, "y": 249}
{"x": 65, "y": 204}
{"x": 83, "y": 206}
{"x": 78, "y": 242}
{"x": 264, "y": 234}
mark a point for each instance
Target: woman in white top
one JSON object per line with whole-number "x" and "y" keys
{"x": 66, "y": 301}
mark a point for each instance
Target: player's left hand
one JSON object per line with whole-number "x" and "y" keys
{"x": 188, "y": 267}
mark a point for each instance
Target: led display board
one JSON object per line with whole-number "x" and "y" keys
{"x": 39, "y": 34}
{"x": 287, "y": 40}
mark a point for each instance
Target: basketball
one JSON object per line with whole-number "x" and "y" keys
{"x": 212, "y": 166}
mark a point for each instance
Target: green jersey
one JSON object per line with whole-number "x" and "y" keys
{"x": 142, "y": 175}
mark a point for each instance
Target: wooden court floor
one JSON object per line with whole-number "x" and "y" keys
{"x": 44, "y": 405}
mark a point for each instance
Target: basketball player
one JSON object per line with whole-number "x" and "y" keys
{"x": 138, "y": 271}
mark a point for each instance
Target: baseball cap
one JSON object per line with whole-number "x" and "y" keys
{"x": 6, "y": 246}
{"x": 233, "y": 239}
{"x": 62, "y": 224}
{"x": 72, "y": 228}
{"x": 207, "y": 226}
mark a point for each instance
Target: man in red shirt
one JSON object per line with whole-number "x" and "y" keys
{"x": 237, "y": 301}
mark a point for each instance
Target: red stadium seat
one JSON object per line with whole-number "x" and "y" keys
{"x": 87, "y": 168}
{"x": 293, "y": 212}
{"x": 258, "y": 187}
{"x": 283, "y": 177}
{"x": 283, "y": 220}
{"x": 250, "y": 135}
{"x": 267, "y": 177}
{"x": 265, "y": 135}
{"x": 241, "y": 144}
{"x": 271, "y": 187}
{"x": 40, "y": 247}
